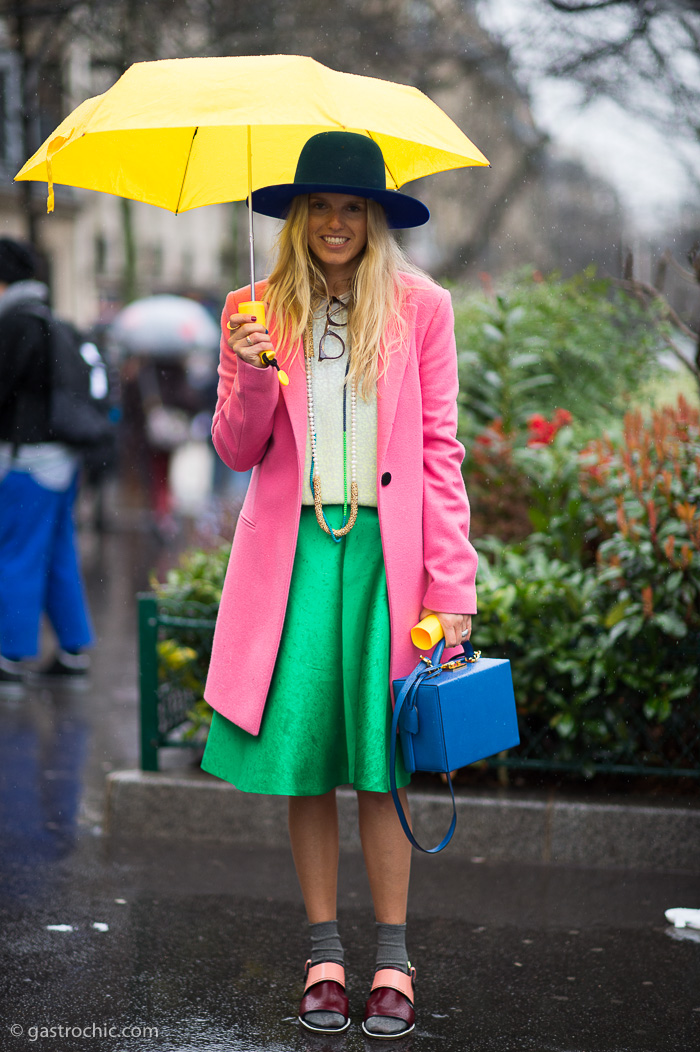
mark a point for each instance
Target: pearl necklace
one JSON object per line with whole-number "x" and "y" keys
{"x": 348, "y": 523}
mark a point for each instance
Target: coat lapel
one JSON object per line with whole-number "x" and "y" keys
{"x": 388, "y": 390}
{"x": 294, "y": 396}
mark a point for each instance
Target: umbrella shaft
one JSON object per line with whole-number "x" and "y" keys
{"x": 251, "y": 237}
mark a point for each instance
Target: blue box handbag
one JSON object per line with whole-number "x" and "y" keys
{"x": 450, "y": 715}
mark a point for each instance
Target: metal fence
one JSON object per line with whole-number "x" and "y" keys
{"x": 670, "y": 748}
{"x": 165, "y": 702}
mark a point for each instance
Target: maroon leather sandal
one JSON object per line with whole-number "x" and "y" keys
{"x": 324, "y": 991}
{"x": 392, "y": 995}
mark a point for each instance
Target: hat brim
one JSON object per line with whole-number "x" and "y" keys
{"x": 402, "y": 211}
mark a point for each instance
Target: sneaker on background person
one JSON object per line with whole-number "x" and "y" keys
{"x": 67, "y": 670}
{"x": 11, "y": 678}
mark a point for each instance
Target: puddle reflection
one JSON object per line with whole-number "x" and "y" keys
{"x": 43, "y": 747}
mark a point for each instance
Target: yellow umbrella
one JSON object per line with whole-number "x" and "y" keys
{"x": 176, "y": 133}
{"x": 182, "y": 133}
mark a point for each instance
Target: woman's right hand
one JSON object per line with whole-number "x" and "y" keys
{"x": 248, "y": 339}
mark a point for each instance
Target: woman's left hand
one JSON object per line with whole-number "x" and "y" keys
{"x": 456, "y": 627}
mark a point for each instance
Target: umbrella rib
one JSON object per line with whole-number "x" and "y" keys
{"x": 396, "y": 182}
{"x": 184, "y": 174}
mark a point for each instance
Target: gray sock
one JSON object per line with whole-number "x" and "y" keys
{"x": 325, "y": 943}
{"x": 391, "y": 953}
{"x": 325, "y": 946}
{"x": 391, "y": 947}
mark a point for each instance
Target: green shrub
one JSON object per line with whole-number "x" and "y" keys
{"x": 585, "y": 695}
{"x": 539, "y": 350}
{"x": 604, "y": 636}
{"x": 191, "y": 590}
{"x": 542, "y": 343}
{"x": 193, "y": 587}
{"x": 541, "y": 613}
{"x": 644, "y": 494}
{"x": 548, "y": 474}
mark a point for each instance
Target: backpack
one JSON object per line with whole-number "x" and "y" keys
{"x": 78, "y": 410}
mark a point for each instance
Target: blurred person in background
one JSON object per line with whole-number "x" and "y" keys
{"x": 163, "y": 400}
{"x": 39, "y": 569}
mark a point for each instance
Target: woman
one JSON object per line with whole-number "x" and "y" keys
{"x": 354, "y": 527}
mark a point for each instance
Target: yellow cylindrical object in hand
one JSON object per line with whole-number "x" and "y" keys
{"x": 257, "y": 309}
{"x": 426, "y": 633}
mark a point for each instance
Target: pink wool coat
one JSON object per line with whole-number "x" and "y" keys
{"x": 422, "y": 504}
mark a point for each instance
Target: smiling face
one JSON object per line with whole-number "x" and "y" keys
{"x": 337, "y": 235}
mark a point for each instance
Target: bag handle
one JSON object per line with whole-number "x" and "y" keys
{"x": 405, "y": 696}
{"x": 467, "y": 651}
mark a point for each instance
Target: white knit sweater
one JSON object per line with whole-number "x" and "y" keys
{"x": 328, "y": 389}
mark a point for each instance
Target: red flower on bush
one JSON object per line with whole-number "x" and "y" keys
{"x": 484, "y": 439}
{"x": 487, "y": 284}
{"x": 492, "y": 446}
{"x": 493, "y": 434}
{"x": 542, "y": 431}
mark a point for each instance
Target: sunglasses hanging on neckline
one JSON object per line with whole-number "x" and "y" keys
{"x": 331, "y": 341}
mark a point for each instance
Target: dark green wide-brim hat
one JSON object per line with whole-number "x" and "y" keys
{"x": 338, "y": 162}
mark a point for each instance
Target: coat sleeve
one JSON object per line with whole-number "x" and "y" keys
{"x": 450, "y": 559}
{"x": 246, "y": 402}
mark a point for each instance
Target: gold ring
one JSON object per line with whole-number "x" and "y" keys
{"x": 249, "y": 341}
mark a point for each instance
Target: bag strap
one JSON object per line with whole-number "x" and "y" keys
{"x": 406, "y": 695}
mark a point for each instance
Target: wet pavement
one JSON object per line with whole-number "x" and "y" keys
{"x": 108, "y": 942}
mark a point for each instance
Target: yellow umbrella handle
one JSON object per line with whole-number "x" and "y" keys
{"x": 257, "y": 309}
{"x": 426, "y": 633}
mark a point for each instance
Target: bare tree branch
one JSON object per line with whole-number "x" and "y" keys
{"x": 614, "y": 48}
{"x": 642, "y": 54}
{"x": 58, "y": 10}
{"x": 647, "y": 294}
{"x": 668, "y": 259}
{"x": 652, "y": 7}
{"x": 678, "y": 353}
{"x": 577, "y": 9}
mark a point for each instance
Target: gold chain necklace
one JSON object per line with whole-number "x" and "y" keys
{"x": 315, "y": 477}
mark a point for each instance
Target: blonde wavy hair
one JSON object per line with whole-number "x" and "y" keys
{"x": 297, "y": 287}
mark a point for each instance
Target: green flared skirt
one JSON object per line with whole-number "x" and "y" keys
{"x": 327, "y": 718}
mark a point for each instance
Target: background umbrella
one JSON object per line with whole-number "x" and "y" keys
{"x": 164, "y": 326}
{"x": 181, "y": 133}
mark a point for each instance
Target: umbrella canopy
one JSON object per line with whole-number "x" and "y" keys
{"x": 182, "y": 133}
{"x": 165, "y": 327}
